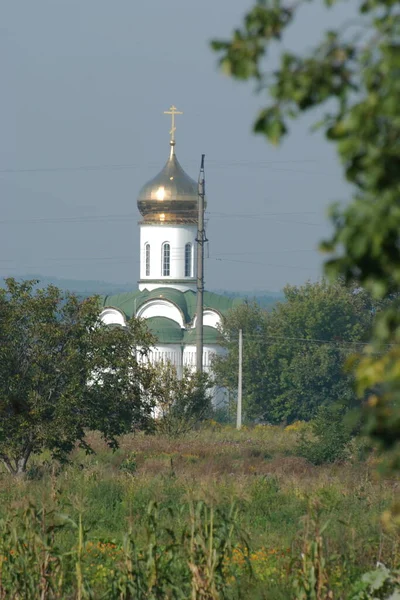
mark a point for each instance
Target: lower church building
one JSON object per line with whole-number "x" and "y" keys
{"x": 166, "y": 294}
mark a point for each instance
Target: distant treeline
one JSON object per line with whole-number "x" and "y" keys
{"x": 85, "y": 288}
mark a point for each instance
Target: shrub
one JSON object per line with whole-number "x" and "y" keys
{"x": 129, "y": 464}
{"x": 183, "y": 403}
{"x": 331, "y": 432}
{"x": 298, "y": 426}
{"x": 380, "y": 584}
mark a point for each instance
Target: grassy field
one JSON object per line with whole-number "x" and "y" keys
{"x": 217, "y": 514}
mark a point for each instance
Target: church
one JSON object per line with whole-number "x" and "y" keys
{"x": 166, "y": 294}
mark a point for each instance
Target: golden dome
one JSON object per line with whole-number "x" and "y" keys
{"x": 172, "y": 196}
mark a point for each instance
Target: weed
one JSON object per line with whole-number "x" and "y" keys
{"x": 150, "y": 533}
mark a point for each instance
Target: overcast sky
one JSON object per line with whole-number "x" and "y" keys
{"x": 84, "y": 87}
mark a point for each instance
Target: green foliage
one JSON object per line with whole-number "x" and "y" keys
{"x": 91, "y": 529}
{"x": 155, "y": 571}
{"x": 380, "y": 584}
{"x": 104, "y": 500}
{"x": 210, "y": 542}
{"x": 311, "y": 581}
{"x": 129, "y": 464}
{"x": 355, "y": 74}
{"x": 30, "y": 557}
{"x": 182, "y": 402}
{"x": 63, "y": 372}
{"x": 331, "y": 433}
{"x": 224, "y": 415}
{"x": 294, "y": 356}
{"x": 252, "y": 320}
{"x": 33, "y": 563}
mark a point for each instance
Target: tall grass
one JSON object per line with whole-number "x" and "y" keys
{"x": 218, "y": 514}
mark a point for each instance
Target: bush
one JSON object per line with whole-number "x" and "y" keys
{"x": 183, "y": 403}
{"x": 331, "y": 431}
{"x": 381, "y": 584}
{"x": 129, "y": 464}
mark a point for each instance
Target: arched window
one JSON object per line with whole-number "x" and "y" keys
{"x": 147, "y": 258}
{"x": 166, "y": 260}
{"x": 188, "y": 260}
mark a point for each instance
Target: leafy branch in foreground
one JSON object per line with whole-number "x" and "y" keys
{"x": 355, "y": 74}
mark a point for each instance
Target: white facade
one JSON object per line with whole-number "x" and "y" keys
{"x": 189, "y": 356}
{"x": 210, "y": 318}
{"x": 168, "y": 205}
{"x": 160, "y": 307}
{"x": 167, "y": 256}
{"x": 112, "y": 316}
{"x": 183, "y": 357}
{"x": 167, "y": 353}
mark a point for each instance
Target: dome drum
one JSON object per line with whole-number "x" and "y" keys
{"x": 168, "y": 213}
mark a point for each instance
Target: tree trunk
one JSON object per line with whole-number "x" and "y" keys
{"x": 7, "y": 463}
{"x": 19, "y": 466}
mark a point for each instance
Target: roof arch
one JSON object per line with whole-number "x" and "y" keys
{"x": 211, "y": 318}
{"x": 161, "y": 307}
{"x": 113, "y": 316}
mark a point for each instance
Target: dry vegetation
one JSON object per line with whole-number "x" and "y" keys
{"x": 281, "y": 501}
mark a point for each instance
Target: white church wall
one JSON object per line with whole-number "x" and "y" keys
{"x": 210, "y": 318}
{"x": 209, "y": 351}
{"x": 112, "y": 316}
{"x": 161, "y": 308}
{"x": 219, "y": 395}
{"x": 177, "y": 236}
{"x": 166, "y": 353}
{"x": 181, "y": 287}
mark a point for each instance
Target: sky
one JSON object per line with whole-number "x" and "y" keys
{"x": 84, "y": 87}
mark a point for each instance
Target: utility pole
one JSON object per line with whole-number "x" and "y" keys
{"x": 239, "y": 396}
{"x": 200, "y": 270}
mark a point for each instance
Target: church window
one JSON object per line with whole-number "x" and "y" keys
{"x": 147, "y": 259}
{"x": 188, "y": 260}
{"x": 166, "y": 260}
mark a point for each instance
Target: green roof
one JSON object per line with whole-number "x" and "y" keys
{"x": 130, "y": 302}
{"x": 168, "y": 332}
{"x": 165, "y": 330}
{"x": 210, "y": 336}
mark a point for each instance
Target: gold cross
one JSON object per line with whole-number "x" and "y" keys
{"x": 173, "y": 111}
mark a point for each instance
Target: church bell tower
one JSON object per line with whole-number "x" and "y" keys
{"x": 168, "y": 205}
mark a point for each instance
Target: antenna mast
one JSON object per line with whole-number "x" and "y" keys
{"x": 201, "y": 238}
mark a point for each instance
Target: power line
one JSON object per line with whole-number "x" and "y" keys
{"x": 128, "y": 260}
{"x": 261, "y": 335}
{"x": 175, "y": 255}
{"x": 214, "y": 164}
{"x": 249, "y": 262}
{"x": 262, "y": 252}
{"x": 134, "y": 217}
{"x": 259, "y": 215}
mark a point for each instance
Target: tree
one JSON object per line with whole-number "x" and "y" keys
{"x": 252, "y": 320}
{"x": 294, "y": 356}
{"x": 62, "y": 372}
{"x": 355, "y": 74}
{"x": 181, "y": 402}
